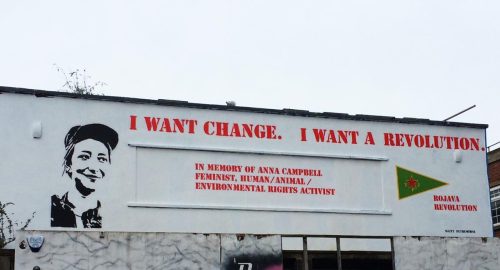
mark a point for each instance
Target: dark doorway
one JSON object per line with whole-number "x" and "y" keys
{"x": 6, "y": 259}
{"x": 292, "y": 260}
{"x": 352, "y": 259}
{"x": 366, "y": 260}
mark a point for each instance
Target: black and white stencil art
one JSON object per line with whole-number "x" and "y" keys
{"x": 86, "y": 162}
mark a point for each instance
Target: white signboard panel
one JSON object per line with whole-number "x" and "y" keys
{"x": 219, "y": 180}
{"x": 82, "y": 164}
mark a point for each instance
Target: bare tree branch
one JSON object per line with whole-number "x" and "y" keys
{"x": 8, "y": 225}
{"x": 78, "y": 82}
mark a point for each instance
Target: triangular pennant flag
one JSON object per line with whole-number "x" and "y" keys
{"x": 411, "y": 183}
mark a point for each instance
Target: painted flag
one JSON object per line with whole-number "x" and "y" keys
{"x": 411, "y": 183}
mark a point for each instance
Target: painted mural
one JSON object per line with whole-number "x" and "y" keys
{"x": 86, "y": 162}
{"x": 136, "y": 165}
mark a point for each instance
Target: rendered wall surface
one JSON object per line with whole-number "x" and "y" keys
{"x": 446, "y": 253}
{"x": 112, "y": 250}
{"x": 116, "y": 250}
{"x": 86, "y": 250}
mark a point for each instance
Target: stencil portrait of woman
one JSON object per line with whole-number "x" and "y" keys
{"x": 86, "y": 162}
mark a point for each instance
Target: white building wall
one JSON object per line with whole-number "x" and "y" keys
{"x": 181, "y": 182}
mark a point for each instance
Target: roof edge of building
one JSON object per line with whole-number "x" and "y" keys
{"x": 291, "y": 112}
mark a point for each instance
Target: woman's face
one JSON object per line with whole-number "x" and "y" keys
{"x": 89, "y": 163}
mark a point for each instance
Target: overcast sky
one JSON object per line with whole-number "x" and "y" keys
{"x": 425, "y": 59}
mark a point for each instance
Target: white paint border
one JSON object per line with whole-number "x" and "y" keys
{"x": 267, "y": 209}
{"x": 255, "y": 152}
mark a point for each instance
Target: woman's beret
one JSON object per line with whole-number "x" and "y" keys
{"x": 98, "y": 132}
